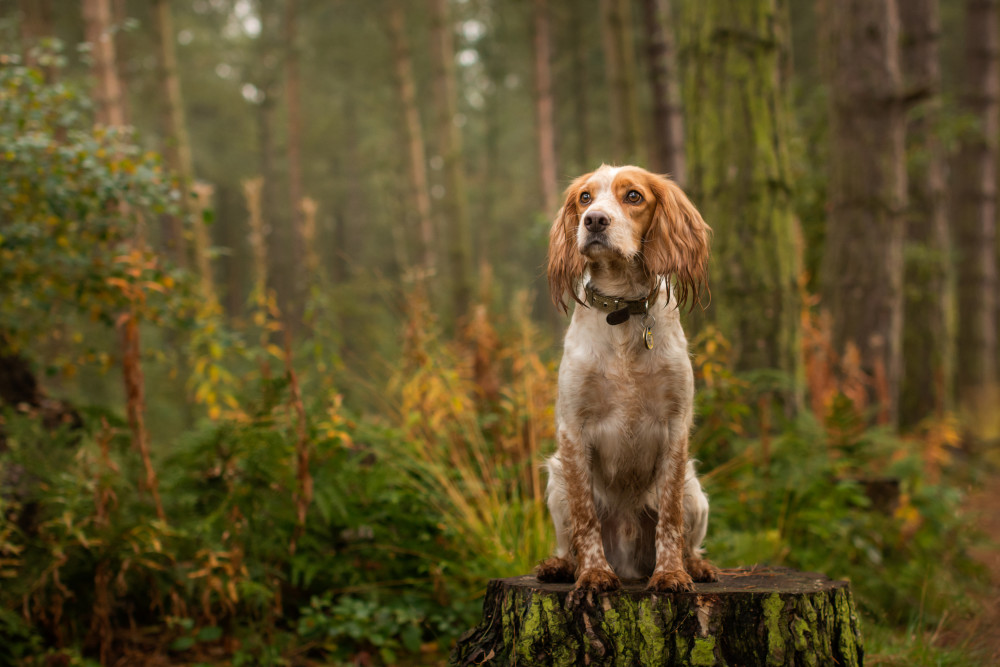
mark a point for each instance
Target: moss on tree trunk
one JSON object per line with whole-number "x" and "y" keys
{"x": 750, "y": 617}
{"x": 739, "y": 176}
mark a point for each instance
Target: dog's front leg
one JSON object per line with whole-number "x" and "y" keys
{"x": 593, "y": 571}
{"x": 669, "y": 573}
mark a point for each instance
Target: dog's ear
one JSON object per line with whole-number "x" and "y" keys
{"x": 566, "y": 264}
{"x": 676, "y": 242}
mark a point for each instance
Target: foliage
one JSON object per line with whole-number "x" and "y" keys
{"x": 74, "y": 199}
{"x": 409, "y": 519}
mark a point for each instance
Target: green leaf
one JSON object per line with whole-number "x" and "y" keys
{"x": 181, "y": 644}
{"x": 211, "y": 633}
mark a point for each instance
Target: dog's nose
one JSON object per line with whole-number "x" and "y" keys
{"x": 595, "y": 221}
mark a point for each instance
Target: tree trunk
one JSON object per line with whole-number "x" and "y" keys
{"x": 862, "y": 275}
{"x": 407, "y": 91}
{"x": 275, "y": 235}
{"x": 176, "y": 143}
{"x": 257, "y": 236}
{"x": 751, "y": 617}
{"x": 668, "y": 114}
{"x": 620, "y": 61}
{"x": 928, "y": 336}
{"x": 107, "y": 86}
{"x": 544, "y": 123}
{"x": 973, "y": 199}
{"x": 119, "y": 15}
{"x": 580, "y": 88}
{"x": 739, "y": 176}
{"x": 293, "y": 106}
{"x": 110, "y": 111}
{"x": 450, "y": 148}
{"x": 36, "y": 25}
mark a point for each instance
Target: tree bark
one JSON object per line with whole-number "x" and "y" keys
{"x": 928, "y": 335}
{"x": 974, "y": 212}
{"x": 176, "y": 142}
{"x": 107, "y": 86}
{"x": 620, "y": 61}
{"x": 406, "y": 90}
{"x": 293, "y": 106}
{"x": 668, "y": 115}
{"x": 579, "y": 93}
{"x": 739, "y": 176}
{"x": 450, "y": 148}
{"x": 862, "y": 274}
{"x": 544, "y": 122}
{"x": 253, "y": 190}
{"x": 751, "y": 617}
{"x": 36, "y": 25}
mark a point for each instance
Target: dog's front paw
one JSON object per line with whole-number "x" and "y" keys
{"x": 670, "y": 580}
{"x": 701, "y": 570}
{"x": 591, "y": 581}
{"x": 555, "y": 570}
{"x": 598, "y": 580}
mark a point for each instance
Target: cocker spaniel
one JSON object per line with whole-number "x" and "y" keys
{"x": 630, "y": 248}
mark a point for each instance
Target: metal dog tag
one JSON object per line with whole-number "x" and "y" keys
{"x": 647, "y": 335}
{"x": 617, "y": 316}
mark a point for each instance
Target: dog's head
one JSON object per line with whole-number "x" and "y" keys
{"x": 630, "y": 214}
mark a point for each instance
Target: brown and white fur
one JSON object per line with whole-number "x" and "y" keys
{"x": 622, "y": 490}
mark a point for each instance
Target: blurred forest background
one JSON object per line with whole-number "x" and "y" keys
{"x": 277, "y": 360}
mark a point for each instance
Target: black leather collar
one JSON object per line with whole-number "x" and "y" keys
{"x": 619, "y": 309}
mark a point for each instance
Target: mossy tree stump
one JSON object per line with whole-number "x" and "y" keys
{"x": 760, "y": 616}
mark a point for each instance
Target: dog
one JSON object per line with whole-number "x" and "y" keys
{"x": 631, "y": 249}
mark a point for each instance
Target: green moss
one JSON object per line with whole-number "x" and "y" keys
{"x": 773, "y": 606}
{"x": 653, "y": 645}
{"x": 681, "y": 644}
{"x": 531, "y": 634}
{"x": 703, "y": 652}
{"x": 620, "y": 625}
{"x": 564, "y": 646}
{"x": 507, "y": 613}
{"x": 847, "y": 642}
{"x": 800, "y": 634}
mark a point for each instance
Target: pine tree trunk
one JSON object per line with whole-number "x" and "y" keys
{"x": 450, "y": 148}
{"x": 974, "y": 210}
{"x": 119, "y": 15}
{"x": 579, "y": 91}
{"x": 276, "y": 236}
{"x": 176, "y": 145}
{"x": 293, "y": 107}
{"x": 544, "y": 123}
{"x": 928, "y": 335}
{"x": 107, "y": 86}
{"x": 739, "y": 177}
{"x": 36, "y": 25}
{"x": 750, "y": 617}
{"x": 620, "y": 61}
{"x": 416, "y": 150}
{"x": 668, "y": 114}
{"x": 862, "y": 275}
{"x": 177, "y": 148}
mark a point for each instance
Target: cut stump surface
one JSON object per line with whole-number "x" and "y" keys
{"x": 755, "y": 616}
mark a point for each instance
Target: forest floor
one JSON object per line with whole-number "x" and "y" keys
{"x": 983, "y": 632}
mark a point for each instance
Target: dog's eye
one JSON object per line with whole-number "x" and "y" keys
{"x": 633, "y": 197}
{"x": 584, "y": 197}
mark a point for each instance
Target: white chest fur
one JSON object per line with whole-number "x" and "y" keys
{"x": 624, "y": 402}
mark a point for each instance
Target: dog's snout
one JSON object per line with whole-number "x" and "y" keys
{"x": 596, "y": 221}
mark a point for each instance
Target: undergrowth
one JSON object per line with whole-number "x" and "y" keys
{"x": 298, "y": 530}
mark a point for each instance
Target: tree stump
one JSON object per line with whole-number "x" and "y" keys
{"x": 756, "y": 616}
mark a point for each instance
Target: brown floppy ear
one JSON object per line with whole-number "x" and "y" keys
{"x": 566, "y": 264}
{"x": 677, "y": 241}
